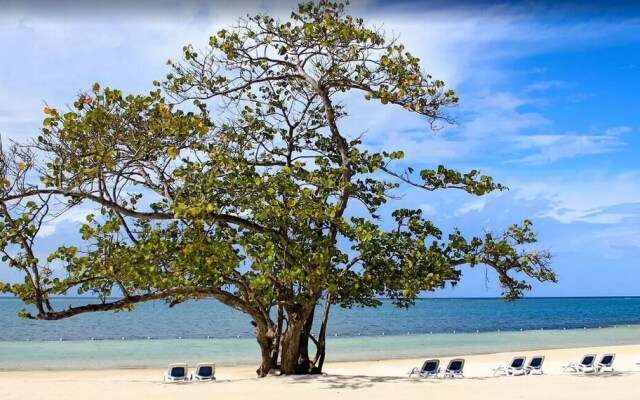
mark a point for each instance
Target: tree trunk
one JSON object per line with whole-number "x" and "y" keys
{"x": 291, "y": 347}
{"x": 275, "y": 354}
{"x": 266, "y": 347}
{"x": 303, "y": 347}
{"x": 295, "y": 340}
{"x": 318, "y": 361}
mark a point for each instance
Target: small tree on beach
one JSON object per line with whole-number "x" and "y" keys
{"x": 266, "y": 204}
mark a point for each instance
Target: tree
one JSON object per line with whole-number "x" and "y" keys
{"x": 264, "y": 203}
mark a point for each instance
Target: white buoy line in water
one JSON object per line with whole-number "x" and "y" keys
{"x": 383, "y": 333}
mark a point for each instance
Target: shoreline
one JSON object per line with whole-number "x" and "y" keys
{"x": 349, "y": 380}
{"x": 241, "y": 366}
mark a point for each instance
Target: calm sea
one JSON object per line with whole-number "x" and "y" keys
{"x": 154, "y": 335}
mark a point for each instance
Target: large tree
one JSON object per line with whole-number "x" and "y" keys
{"x": 235, "y": 180}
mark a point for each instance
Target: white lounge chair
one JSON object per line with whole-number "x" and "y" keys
{"x": 535, "y": 366}
{"x": 176, "y": 373}
{"x": 586, "y": 365}
{"x": 606, "y": 363}
{"x": 205, "y": 372}
{"x": 430, "y": 368}
{"x": 455, "y": 368}
{"x": 516, "y": 367}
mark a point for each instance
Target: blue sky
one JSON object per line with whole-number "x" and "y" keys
{"x": 548, "y": 107}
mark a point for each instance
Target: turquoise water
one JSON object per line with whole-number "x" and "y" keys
{"x": 106, "y": 354}
{"x": 209, "y": 330}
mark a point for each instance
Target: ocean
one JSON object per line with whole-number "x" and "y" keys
{"x": 153, "y": 335}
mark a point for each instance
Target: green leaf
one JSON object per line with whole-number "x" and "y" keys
{"x": 173, "y": 152}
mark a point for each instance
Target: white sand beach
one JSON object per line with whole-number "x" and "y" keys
{"x": 350, "y": 380}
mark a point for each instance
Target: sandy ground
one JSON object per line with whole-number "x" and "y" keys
{"x": 380, "y": 379}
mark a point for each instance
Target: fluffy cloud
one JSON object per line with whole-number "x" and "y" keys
{"x": 592, "y": 197}
{"x": 472, "y": 206}
{"x": 73, "y": 216}
{"x": 549, "y": 148}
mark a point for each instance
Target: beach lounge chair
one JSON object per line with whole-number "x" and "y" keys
{"x": 606, "y": 363}
{"x": 535, "y": 366}
{"x": 454, "y": 369}
{"x": 586, "y": 365}
{"x": 176, "y": 372}
{"x": 516, "y": 367}
{"x": 205, "y": 372}
{"x": 429, "y": 368}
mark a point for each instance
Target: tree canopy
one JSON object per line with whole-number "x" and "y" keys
{"x": 235, "y": 180}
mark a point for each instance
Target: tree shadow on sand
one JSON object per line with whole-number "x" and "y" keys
{"x": 607, "y": 375}
{"x": 359, "y": 381}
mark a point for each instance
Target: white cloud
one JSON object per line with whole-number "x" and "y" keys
{"x": 618, "y": 242}
{"x": 458, "y": 43}
{"x": 617, "y": 131}
{"x": 75, "y": 215}
{"x": 589, "y": 197}
{"x": 55, "y": 56}
{"x": 46, "y": 230}
{"x": 617, "y": 237}
{"x": 494, "y": 124}
{"x": 549, "y": 148}
{"x": 541, "y": 86}
{"x": 428, "y": 209}
{"x": 472, "y": 206}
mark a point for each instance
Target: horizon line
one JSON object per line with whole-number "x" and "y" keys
{"x": 385, "y": 298}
